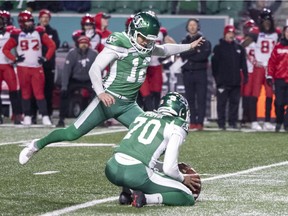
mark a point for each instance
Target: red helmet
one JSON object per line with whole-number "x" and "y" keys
{"x": 128, "y": 21}
{"x": 254, "y": 30}
{"x": 44, "y": 12}
{"x": 229, "y": 28}
{"x": 248, "y": 25}
{"x": 6, "y": 17}
{"x": 76, "y": 34}
{"x": 25, "y": 16}
{"x": 87, "y": 19}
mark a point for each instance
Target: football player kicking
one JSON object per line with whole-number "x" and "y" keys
{"x": 129, "y": 55}
{"x": 151, "y": 135}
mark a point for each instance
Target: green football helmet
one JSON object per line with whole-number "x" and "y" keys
{"x": 146, "y": 25}
{"x": 174, "y": 104}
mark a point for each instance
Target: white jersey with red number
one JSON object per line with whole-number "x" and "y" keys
{"x": 3, "y": 39}
{"x": 29, "y": 44}
{"x": 94, "y": 41}
{"x": 264, "y": 46}
{"x": 160, "y": 40}
{"x": 250, "y": 54}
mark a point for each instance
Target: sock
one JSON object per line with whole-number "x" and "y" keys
{"x": 16, "y": 102}
{"x": 42, "y": 105}
{"x": 253, "y": 109}
{"x": 268, "y": 109}
{"x": 154, "y": 198}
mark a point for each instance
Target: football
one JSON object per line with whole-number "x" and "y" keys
{"x": 187, "y": 169}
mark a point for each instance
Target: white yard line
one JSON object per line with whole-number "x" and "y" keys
{"x": 96, "y": 202}
{"x": 254, "y": 169}
{"x": 46, "y": 172}
{"x": 79, "y": 206}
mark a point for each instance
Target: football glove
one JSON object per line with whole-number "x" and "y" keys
{"x": 19, "y": 59}
{"x": 41, "y": 60}
{"x": 269, "y": 81}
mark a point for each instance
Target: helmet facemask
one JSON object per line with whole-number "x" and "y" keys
{"x": 28, "y": 26}
{"x": 90, "y": 32}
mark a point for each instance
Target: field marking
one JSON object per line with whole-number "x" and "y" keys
{"x": 46, "y": 173}
{"x": 254, "y": 169}
{"x": 79, "y": 206}
{"x": 95, "y": 202}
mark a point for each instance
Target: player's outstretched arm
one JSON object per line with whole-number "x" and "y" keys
{"x": 172, "y": 49}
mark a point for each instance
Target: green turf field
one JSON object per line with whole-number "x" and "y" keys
{"x": 242, "y": 174}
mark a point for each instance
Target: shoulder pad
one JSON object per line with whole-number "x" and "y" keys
{"x": 15, "y": 31}
{"x": 76, "y": 34}
{"x": 254, "y": 30}
{"x": 278, "y": 30}
{"x": 118, "y": 39}
{"x": 10, "y": 28}
{"x": 163, "y": 30}
{"x": 40, "y": 29}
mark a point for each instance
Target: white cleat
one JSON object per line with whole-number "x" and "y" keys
{"x": 256, "y": 126}
{"x": 27, "y": 152}
{"x": 46, "y": 121}
{"x": 27, "y": 120}
{"x": 267, "y": 126}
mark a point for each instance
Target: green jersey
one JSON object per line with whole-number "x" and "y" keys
{"x": 149, "y": 135}
{"x": 126, "y": 76}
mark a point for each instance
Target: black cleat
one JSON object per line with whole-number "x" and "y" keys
{"x": 125, "y": 198}
{"x": 34, "y": 120}
{"x": 17, "y": 119}
{"x": 61, "y": 123}
{"x": 139, "y": 199}
{"x": 278, "y": 127}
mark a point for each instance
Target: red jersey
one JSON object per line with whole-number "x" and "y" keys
{"x": 278, "y": 62}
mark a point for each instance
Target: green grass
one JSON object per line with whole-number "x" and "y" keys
{"x": 81, "y": 176}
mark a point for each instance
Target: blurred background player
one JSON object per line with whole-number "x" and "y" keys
{"x": 101, "y": 24}
{"x": 195, "y": 74}
{"x": 88, "y": 29}
{"x": 28, "y": 41}
{"x": 265, "y": 42}
{"x": 44, "y": 18}
{"x": 75, "y": 74}
{"x": 278, "y": 72}
{"x": 248, "y": 42}
{"x": 7, "y": 72}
